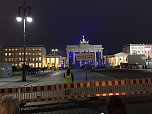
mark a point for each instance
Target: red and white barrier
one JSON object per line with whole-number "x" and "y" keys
{"x": 80, "y": 90}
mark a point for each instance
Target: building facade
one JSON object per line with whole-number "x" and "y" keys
{"x": 15, "y": 54}
{"x": 84, "y": 47}
{"x": 35, "y": 57}
{"x": 54, "y": 61}
{"x": 137, "y": 49}
{"x": 117, "y": 60}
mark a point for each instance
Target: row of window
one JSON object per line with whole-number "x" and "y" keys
{"x": 30, "y": 64}
{"x": 10, "y": 54}
{"x": 21, "y": 59}
{"x": 141, "y": 47}
{"x": 16, "y": 49}
{"x": 141, "y": 52}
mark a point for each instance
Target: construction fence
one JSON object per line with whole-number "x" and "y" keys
{"x": 79, "y": 90}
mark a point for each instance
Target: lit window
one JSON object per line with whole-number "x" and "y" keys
{"x": 19, "y": 53}
{"x": 39, "y": 48}
{"x": 5, "y": 59}
{"x": 40, "y": 65}
{"x": 29, "y": 53}
{"x": 20, "y": 59}
{"x": 9, "y": 59}
{"x": 5, "y": 49}
{"x": 26, "y": 53}
{"x": 36, "y": 64}
{"x": 9, "y": 54}
{"x": 16, "y": 49}
{"x": 12, "y": 49}
{"x": 33, "y": 59}
{"x": 9, "y": 49}
{"x": 33, "y": 49}
{"x": 36, "y": 58}
{"x": 39, "y": 58}
{"x": 5, "y": 54}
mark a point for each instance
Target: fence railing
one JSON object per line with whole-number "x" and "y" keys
{"x": 79, "y": 90}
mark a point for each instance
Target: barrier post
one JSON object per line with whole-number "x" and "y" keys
{"x": 127, "y": 87}
{"x": 19, "y": 94}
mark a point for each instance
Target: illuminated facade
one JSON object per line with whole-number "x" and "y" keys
{"x": 136, "y": 49}
{"x": 84, "y": 47}
{"x": 54, "y": 61}
{"x": 14, "y": 54}
{"x": 116, "y": 60}
{"x": 35, "y": 57}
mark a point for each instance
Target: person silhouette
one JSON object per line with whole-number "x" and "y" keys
{"x": 115, "y": 105}
{"x": 9, "y": 105}
{"x": 68, "y": 77}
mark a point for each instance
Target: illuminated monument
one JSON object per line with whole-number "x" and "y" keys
{"x": 84, "y": 47}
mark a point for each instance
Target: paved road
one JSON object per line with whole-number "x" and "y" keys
{"x": 55, "y": 77}
{"x": 15, "y": 81}
{"x": 125, "y": 73}
{"x": 80, "y": 75}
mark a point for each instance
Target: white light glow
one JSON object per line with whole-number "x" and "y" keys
{"x": 54, "y": 49}
{"x": 19, "y": 19}
{"x": 29, "y": 19}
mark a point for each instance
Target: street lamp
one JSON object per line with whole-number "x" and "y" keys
{"x": 54, "y": 50}
{"x": 24, "y": 15}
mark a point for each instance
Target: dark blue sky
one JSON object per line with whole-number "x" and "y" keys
{"x": 112, "y": 23}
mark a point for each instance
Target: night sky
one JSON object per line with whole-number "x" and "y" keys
{"x": 57, "y": 23}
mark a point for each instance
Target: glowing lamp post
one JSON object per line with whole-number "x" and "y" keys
{"x": 24, "y": 15}
{"x": 54, "y": 50}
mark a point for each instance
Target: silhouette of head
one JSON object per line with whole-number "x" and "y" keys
{"x": 68, "y": 71}
{"x": 115, "y": 105}
{"x": 9, "y": 105}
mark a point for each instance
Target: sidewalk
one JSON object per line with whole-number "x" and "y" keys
{"x": 16, "y": 79}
